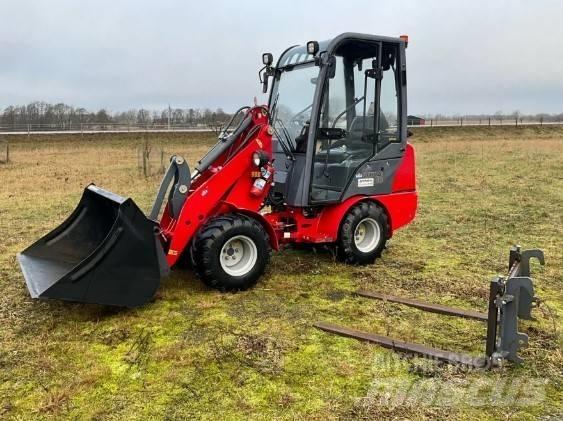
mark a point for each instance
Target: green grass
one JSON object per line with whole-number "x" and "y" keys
{"x": 196, "y": 353}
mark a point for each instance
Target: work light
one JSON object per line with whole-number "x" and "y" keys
{"x": 267, "y": 59}
{"x": 313, "y": 47}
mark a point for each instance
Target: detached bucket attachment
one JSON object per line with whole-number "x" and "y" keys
{"x": 106, "y": 252}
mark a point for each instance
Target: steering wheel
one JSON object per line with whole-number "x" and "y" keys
{"x": 349, "y": 107}
{"x": 338, "y": 117}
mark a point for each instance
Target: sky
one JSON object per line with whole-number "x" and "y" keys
{"x": 464, "y": 57}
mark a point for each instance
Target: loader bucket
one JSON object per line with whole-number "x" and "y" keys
{"x": 106, "y": 252}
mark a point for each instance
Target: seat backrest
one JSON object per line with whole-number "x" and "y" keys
{"x": 358, "y": 123}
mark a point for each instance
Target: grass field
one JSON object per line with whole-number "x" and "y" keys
{"x": 197, "y": 353}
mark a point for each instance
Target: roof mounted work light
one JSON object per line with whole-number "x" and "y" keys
{"x": 313, "y": 48}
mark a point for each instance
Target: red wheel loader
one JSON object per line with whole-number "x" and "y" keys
{"x": 326, "y": 162}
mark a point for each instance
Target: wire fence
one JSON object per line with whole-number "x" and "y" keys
{"x": 87, "y": 128}
{"x": 479, "y": 121}
{"x": 104, "y": 128}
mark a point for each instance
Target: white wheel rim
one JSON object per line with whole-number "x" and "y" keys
{"x": 367, "y": 235}
{"x": 238, "y": 255}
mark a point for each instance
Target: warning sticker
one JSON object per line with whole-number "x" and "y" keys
{"x": 366, "y": 182}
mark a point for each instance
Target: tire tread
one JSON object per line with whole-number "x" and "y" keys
{"x": 213, "y": 231}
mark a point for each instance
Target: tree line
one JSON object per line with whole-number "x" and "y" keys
{"x": 64, "y": 116}
{"x": 499, "y": 116}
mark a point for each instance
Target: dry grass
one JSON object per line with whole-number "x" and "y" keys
{"x": 196, "y": 353}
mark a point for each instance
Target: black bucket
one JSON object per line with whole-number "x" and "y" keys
{"x": 106, "y": 252}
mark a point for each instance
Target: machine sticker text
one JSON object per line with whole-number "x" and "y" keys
{"x": 366, "y": 182}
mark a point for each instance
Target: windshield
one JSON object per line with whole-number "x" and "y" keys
{"x": 292, "y": 101}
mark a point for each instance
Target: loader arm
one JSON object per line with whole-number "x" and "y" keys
{"x": 225, "y": 184}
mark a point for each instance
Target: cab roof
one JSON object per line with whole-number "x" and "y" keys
{"x": 298, "y": 54}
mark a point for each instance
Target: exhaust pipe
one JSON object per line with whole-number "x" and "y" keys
{"x": 107, "y": 252}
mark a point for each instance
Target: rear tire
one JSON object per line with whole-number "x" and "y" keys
{"x": 363, "y": 234}
{"x": 231, "y": 252}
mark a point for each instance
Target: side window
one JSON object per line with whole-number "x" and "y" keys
{"x": 345, "y": 136}
{"x": 364, "y": 88}
{"x": 333, "y": 112}
{"x": 389, "y": 102}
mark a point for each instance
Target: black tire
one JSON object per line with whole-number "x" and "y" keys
{"x": 348, "y": 244}
{"x": 186, "y": 259}
{"x": 210, "y": 241}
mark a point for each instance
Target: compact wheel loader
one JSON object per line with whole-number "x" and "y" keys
{"x": 326, "y": 162}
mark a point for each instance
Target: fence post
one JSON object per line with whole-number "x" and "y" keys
{"x": 516, "y": 120}
{"x": 144, "y": 163}
{"x": 7, "y": 151}
{"x": 431, "y": 122}
{"x": 146, "y": 159}
{"x": 28, "y": 129}
{"x": 489, "y": 121}
{"x": 461, "y": 121}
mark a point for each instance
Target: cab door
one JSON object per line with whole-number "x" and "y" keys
{"x": 357, "y": 140}
{"x": 376, "y": 175}
{"x": 344, "y": 138}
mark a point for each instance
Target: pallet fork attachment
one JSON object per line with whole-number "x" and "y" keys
{"x": 510, "y": 299}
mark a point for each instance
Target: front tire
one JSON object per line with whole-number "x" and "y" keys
{"x": 231, "y": 252}
{"x": 363, "y": 234}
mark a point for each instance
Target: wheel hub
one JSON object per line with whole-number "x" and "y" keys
{"x": 367, "y": 235}
{"x": 238, "y": 255}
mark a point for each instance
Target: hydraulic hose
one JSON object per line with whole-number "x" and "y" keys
{"x": 223, "y": 145}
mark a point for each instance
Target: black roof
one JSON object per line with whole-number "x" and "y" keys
{"x": 298, "y": 53}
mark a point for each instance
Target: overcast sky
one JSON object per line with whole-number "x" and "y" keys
{"x": 463, "y": 56}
